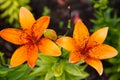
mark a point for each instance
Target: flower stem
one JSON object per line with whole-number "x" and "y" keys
{"x": 69, "y": 21}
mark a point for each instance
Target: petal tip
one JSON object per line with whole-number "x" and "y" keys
{"x": 106, "y": 28}
{"x": 59, "y": 53}
{"x": 31, "y": 65}
{"x": 22, "y": 8}
{"x": 71, "y": 61}
{"x": 46, "y": 17}
{"x": 79, "y": 20}
{"x": 116, "y": 53}
{"x": 12, "y": 66}
{"x": 100, "y": 72}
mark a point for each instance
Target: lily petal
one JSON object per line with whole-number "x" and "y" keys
{"x": 96, "y": 64}
{"x": 32, "y": 55}
{"x": 40, "y": 25}
{"x": 19, "y": 56}
{"x": 97, "y": 37}
{"x": 67, "y": 42}
{"x": 75, "y": 57}
{"x": 15, "y": 36}
{"x": 48, "y": 47}
{"x": 103, "y": 52}
{"x": 80, "y": 34}
{"x": 26, "y": 18}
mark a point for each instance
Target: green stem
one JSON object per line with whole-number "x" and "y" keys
{"x": 2, "y": 59}
{"x": 68, "y": 27}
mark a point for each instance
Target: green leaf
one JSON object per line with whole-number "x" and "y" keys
{"x": 114, "y": 77}
{"x": 41, "y": 78}
{"x": 58, "y": 68}
{"x": 2, "y": 1}
{"x": 2, "y": 58}
{"x": 62, "y": 77}
{"x": 49, "y": 75}
{"x": 48, "y": 59}
{"x": 3, "y": 71}
{"x": 65, "y": 53}
{"x": 74, "y": 70}
{"x": 17, "y": 72}
{"x": 70, "y": 77}
{"x": 4, "y": 14}
{"x": 8, "y": 7}
{"x": 96, "y": 5}
{"x": 82, "y": 67}
{"x": 41, "y": 70}
{"x": 5, "y": 5}
{"x": 46, "y": 11}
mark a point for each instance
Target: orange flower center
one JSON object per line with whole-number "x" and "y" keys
{"x": 31, "y": 39}
{"x": 85, "y": 51}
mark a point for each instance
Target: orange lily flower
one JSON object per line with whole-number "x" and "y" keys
{"x": 29, "y": 37}
{"x": 88, "y": 48}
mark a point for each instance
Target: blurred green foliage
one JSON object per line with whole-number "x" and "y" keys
{"x": 47, "y": 68}
{"x": 106, "y": 16}
{"x": 46, "y": 11}
{"x": 9, "y": 10}
{"x": 100, "y": 4}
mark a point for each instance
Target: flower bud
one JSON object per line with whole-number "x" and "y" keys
{"x": 51, "y": 34}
